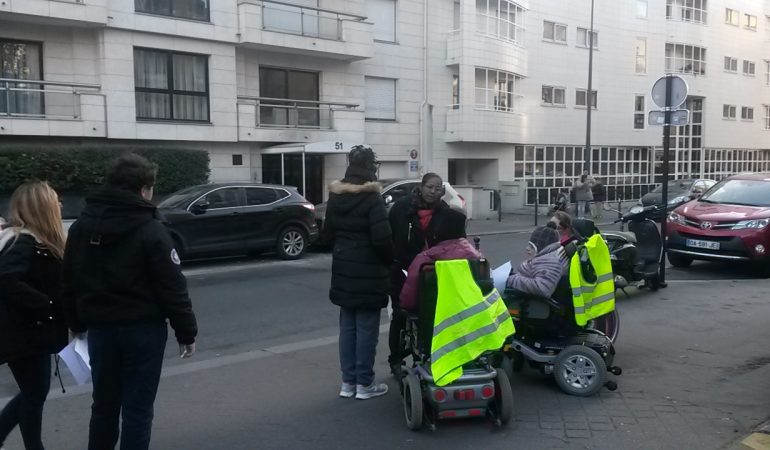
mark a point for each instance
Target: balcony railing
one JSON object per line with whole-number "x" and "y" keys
{"x": 304, "y": 21}
{"x": 40, "y": 99}
{"x": 287, "y": 113}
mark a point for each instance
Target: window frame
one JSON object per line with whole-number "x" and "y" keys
{"x": 731, "y": 111}
{"x": 31, "y": 81}
{"x": 767, "y": 71}
{"x": 643, "y": 55}
{"x": 171, "y": 14}
{"x": 594, "y": 98}
{"x": 586, "y": 38}
{"x": 455, "y": 91}
{"x": 767, "y": 116}
{"x": 395, "y": 25}
{"x": 670, "y": 62}
{"x": 494, "y": 15}
{"x": 494, "y": 93}
{"x": 685, "y": 10}
{"x": 170, "y": 90}
{"x": 646, "y": 9}
{"x": 554, "y": 40}
{"x": 640, "y": 112}
{"x": 749, "y": 65}
{"x": 730, "y": 14}
{"x": 729, "y": 63}
{"x": 747, "y": 113}
{"x": 395, "y": 101}
{"x": 553, "y": 90}
{"x": 747, "y": 23}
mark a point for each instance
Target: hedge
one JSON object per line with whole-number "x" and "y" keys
{"x": 79, "y": 169}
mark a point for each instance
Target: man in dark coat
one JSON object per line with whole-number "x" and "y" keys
{"x": 122, "y": 280}
{"x": 357, "y": 224}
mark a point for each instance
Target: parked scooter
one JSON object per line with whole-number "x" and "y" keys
{"x": 636, "y": 253}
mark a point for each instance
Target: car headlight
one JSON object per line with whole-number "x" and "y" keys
{"x": 676, "y": 218}
{"x": 756, "y": 224}
{"x": 675, "y": 200}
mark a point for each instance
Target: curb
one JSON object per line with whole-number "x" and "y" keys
{"x": 758, "y": 440}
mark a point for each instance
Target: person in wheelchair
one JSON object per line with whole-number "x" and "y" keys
{"x": 545, "y": 265}
{"x": 449, "y": 234}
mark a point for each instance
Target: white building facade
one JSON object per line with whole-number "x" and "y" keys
{"x": 490, "y": 93}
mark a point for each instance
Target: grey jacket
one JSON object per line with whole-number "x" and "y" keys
{"x": 583, "y": 190}
{"x": 540, "y": 275}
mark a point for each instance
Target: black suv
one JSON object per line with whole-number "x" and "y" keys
{"x": 238, "y": 218}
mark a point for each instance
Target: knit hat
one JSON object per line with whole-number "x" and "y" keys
{"x": 542, "y": 237}
{"x": 448, "y": 223}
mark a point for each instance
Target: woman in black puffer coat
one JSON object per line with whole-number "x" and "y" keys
{"x": 32, "y": 325}
{"x": 357, "y": 224}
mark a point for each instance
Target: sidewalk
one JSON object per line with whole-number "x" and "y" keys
{"x": 688, "y": 382}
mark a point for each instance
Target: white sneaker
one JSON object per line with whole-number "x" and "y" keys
{"x": 371, "y": 391}
{"x": 347, "y": 390}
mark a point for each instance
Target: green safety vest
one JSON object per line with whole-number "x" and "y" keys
{"x": 466, "y": 323}
{"x": 592, "y": 299}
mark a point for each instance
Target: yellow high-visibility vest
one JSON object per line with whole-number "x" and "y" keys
{"x": 466, "y": 323}
{"x": 593, "y": 297}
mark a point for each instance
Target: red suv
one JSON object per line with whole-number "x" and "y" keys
{"x": 727, "y": 223}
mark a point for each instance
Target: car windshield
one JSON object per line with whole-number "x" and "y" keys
{"x": 675, "y": 187}
{"x": 180, "y": 198}
{"x": 739, "y": 192}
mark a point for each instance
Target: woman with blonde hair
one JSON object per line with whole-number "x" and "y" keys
{"x": 32, "y": 325}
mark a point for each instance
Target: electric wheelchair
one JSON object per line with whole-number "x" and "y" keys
{"x": 482, "y": 390}
{"x": 549, "y": 339}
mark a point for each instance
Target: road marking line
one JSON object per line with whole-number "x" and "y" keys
{"x": 213, "y": 363}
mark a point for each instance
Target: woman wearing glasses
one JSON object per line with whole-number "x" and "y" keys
{"x": 411, "y": 222}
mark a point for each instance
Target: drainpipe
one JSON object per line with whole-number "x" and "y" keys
{"x": 424, "y": 104}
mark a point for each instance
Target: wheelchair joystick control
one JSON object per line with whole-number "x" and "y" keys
{"x": 477, "y": 242}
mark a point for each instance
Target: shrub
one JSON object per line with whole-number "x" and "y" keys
{"x": 79, "y": 169}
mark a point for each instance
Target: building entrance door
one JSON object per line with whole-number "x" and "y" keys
{"x": 287, "y": 169}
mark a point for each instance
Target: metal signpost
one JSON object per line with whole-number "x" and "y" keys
{"x": 669, "y": 92}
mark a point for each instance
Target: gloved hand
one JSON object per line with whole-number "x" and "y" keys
{"x": 186, "y": 351}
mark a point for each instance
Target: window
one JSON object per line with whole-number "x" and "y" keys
{"x": 767, "y": 72}
{"x": 641, "y": 55}
{"x": 500, "y": 18}
{"x": 686, "y": 10}
{"x": 237, "y": 160}
{"x": 380, "y": 98}
{"x": 186, "y": 9}
{"x": 747, "y": 113}
{"x": 554, "y": 32}
{"x": 684, "y": 58}
{"x": 498, "y": 91}
{"x": 583, "y": 36}
{"x": 728, "y": 112}
{"x": 21, "y": 61}
{"x": 641, "y": 9}
{"x": 731, "y": 17}
{"x": 383, "y": 13}
{"x": 580, "y": 98}
{"x": 260, "y": 196}
{"x": 731, "y": 64}
{"x": 293, "y": 85}
{"x": 750, "y": 22}
{"x": 639, "y": 112}
{"x": 767, "y": 116}
{"x": 222, "y": 198}
{"x": 554, "y": 96}
{"x": 171, "y": 86}
{"x": 455, "y": 92}
{"x": 749, "y": 68}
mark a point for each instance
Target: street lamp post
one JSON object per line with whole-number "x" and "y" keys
{"x": 589, "y": 95}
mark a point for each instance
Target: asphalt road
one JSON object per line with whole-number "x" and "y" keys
{"x": 690, "y": 351}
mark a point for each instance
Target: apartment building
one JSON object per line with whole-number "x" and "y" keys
{"x": 491, "y": 93}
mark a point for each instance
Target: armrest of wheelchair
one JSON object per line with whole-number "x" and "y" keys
{"x": 535, "y": 307}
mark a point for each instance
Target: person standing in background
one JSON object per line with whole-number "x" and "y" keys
{"x": 600, "y": 196}
{"x": 583, "y": 195}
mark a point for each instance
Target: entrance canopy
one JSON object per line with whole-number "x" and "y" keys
{"x": 318, "y": 148}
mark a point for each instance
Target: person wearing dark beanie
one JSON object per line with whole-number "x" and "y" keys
{"x": 449, "y": 232}
{"x": 545, "y": 265}
{"x": 357, "y": 224}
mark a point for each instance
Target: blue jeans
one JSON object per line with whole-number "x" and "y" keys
{"x": 359, "y": 331}
{"x": 33, "y": 376}
{"x": 125, "y": 366}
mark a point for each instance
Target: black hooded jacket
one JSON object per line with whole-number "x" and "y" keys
{"x": 357, "y": 223}
{"x": 408, "y": 238}
{"x": 120, "y": 267}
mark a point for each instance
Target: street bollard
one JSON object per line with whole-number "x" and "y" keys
{"x": 620, "y": 214}
{"x": 537, "y": 205}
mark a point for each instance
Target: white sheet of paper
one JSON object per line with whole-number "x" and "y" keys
{"x": 500, "y": 276}
{"x": 80, "y": 370}
{"x": 81, "y": 348}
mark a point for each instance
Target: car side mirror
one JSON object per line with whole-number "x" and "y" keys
{"x": 696, "y": 194}
{"x": 199, "y": 207}
{"x": 388, "y": 199}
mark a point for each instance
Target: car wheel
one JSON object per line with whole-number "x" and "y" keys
{"x": 678, "y": 260}
{"x": 291, "y": 243}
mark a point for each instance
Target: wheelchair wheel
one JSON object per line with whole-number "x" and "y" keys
{"x": 503, "y": 401}
{"x": 412, "y": 401}
{"x": 580, "y": 371}
{"x": 609, "y": 324}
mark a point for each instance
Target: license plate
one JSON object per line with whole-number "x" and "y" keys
{"x": 710, "y": 245}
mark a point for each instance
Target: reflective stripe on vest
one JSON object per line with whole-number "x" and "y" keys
{"x": 466, "y": 323}
{"x": 592, "y": 300}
